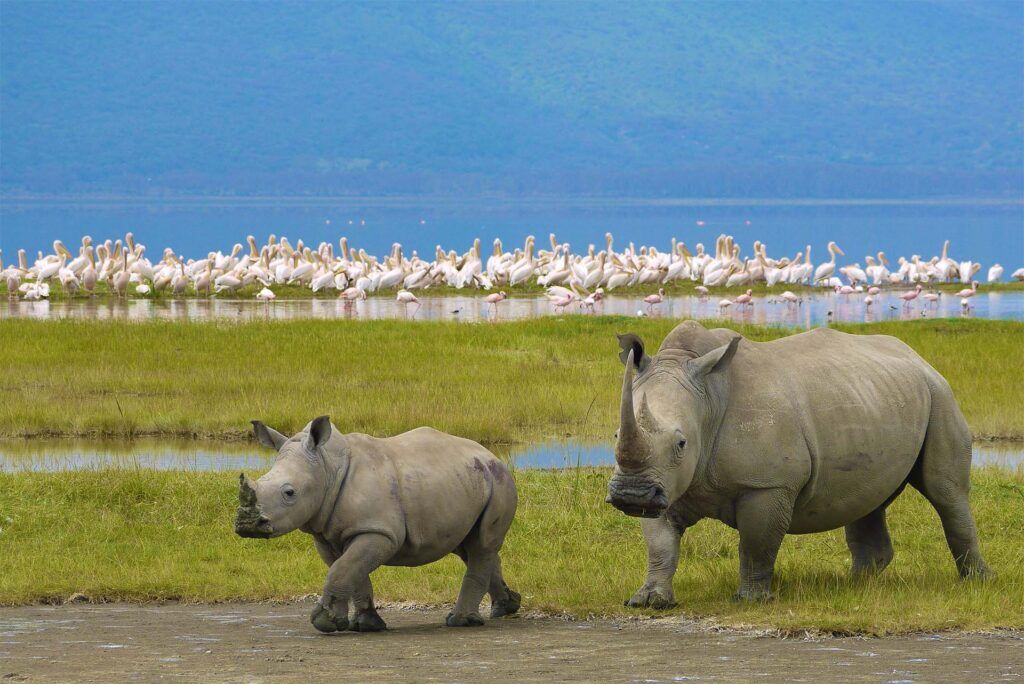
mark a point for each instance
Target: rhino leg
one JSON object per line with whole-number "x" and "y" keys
{"x": 348, "y": 579}
{"x": 662, "y": 536}
{"x": 504, "y": 601}
{"x": 762, "y": 518}
{"x": 943, "y": 475}
{"x": 479, "y": 568}
{"x": 869, "y": 543}
{"x": 480, "y": 550}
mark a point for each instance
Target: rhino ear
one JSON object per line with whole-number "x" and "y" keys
{"x": 632, "y": 343}
{"x": 319, "y": 433}
{"x": 715, "y": 360}
{"x": 268, "y": 436}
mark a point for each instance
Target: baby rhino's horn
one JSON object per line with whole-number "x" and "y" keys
{"x": 246, "y": 492}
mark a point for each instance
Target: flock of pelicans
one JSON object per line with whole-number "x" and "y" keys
{"x": 570, "y": 279}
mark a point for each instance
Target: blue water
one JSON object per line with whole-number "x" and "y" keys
{"x": 980, "y": 232}
{"x": 59, "y": 455}
{"x": 550, "y": 455}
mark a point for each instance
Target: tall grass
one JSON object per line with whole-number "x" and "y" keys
{"x": 496, "y": 383}
{"x": 143, "y": 535}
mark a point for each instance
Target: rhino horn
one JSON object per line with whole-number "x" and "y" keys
{"x": 630, "y": 450}
{"x": 647, "y": 419}
{"x": 246, "y": 492}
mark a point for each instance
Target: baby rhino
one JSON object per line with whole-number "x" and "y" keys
{"x": 405, "y": 500}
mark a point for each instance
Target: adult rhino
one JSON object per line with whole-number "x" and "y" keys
{"x": 405, "y": 500}
{"x": 803, "y": 434}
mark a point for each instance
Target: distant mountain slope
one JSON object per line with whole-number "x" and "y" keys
{"x": 632, "y": 98}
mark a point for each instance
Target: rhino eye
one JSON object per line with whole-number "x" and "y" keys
{"x": 681, "y": 443}
{"x": 288, "y": 492}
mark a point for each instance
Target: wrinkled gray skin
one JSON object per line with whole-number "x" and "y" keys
{"x": 406, "y": 500}
{"x": 807, "y": 433}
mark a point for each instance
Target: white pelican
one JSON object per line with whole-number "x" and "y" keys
{"x": 825, "y": 270}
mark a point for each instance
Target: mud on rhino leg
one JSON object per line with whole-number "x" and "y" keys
{"x": 762, "y": 518}
{"x": 662, "y": 536}
{"x": 504, "y": 601}
{"x": 348, "y": 579}
{"x": 869, "y": 543}
{"x": 366, "y": 618}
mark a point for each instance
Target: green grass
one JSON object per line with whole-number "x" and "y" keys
{"x": 144, "y": 535}
{"x": 677, "y": 288}
{"x": 501, "y": 383}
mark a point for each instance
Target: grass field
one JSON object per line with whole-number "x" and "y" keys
{"x": 144, "y": 535}
{"x": 685, "y": 287}
{"x": 502, "y": 383}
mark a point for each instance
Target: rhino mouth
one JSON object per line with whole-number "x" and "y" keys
{"x": 637, "y": 499}
{"x": 639, "y": 510}
{"x": 253, "y": 524}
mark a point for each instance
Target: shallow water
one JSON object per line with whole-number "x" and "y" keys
{"x": 61, "y": 455}
{"x": 813, "y": 310}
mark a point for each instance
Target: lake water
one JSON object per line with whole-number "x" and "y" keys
{"x": 59, "y": 455}
{"x": 985, "y": 232}
{"x": 811, "y": 312}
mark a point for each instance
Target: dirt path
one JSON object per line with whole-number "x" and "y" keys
{"x": 260, "y": 642}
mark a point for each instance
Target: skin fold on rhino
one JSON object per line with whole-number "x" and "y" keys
{"x": 406, "y": 500}
{"x": 803, "y": 434}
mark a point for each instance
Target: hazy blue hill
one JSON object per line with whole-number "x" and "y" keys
{"x": 726, "y": 98}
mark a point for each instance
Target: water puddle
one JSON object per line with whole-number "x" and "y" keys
{"x": 811, "y": 311}
{"x": 1009, "y": 455}
{"x": 61, "y": 455}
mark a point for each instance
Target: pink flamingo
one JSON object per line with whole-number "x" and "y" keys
{"x": 844, "y": 289}
{"x": 702, "y": 291}
{"x": 789, "y": 297}
{"x": 406, "y": 298}
{"x": 493, "y": 299}
{"x": 745, "y": 298}
{"x": 908, "y": 297}
{"x": 874, "y": 291}
{"x": 968, "y": 291}
{"x": 653, "y": 299}
{"x": 562, "y": 302}
{"x": 593, "y": 299}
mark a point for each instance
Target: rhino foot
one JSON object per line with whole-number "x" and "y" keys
{"x": 326, "y": 621}
{"x": 650, "y": 597}
{"x": 753, "y": 594}
{"x": 368, "y": 621}
{"x": 464, "y": 620}
{"x": 981, "y": 573}
{"x": 507, "y": 607}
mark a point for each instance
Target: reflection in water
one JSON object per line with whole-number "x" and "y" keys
{"x": 56, "y": 455}
{"x": 53, "y": 455}
{"x": 813, "y": 310}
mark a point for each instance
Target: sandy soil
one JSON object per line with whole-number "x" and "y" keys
{"x": 257, "y": 642}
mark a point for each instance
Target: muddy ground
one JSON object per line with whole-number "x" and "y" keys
{"x": 261, "y": 642}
